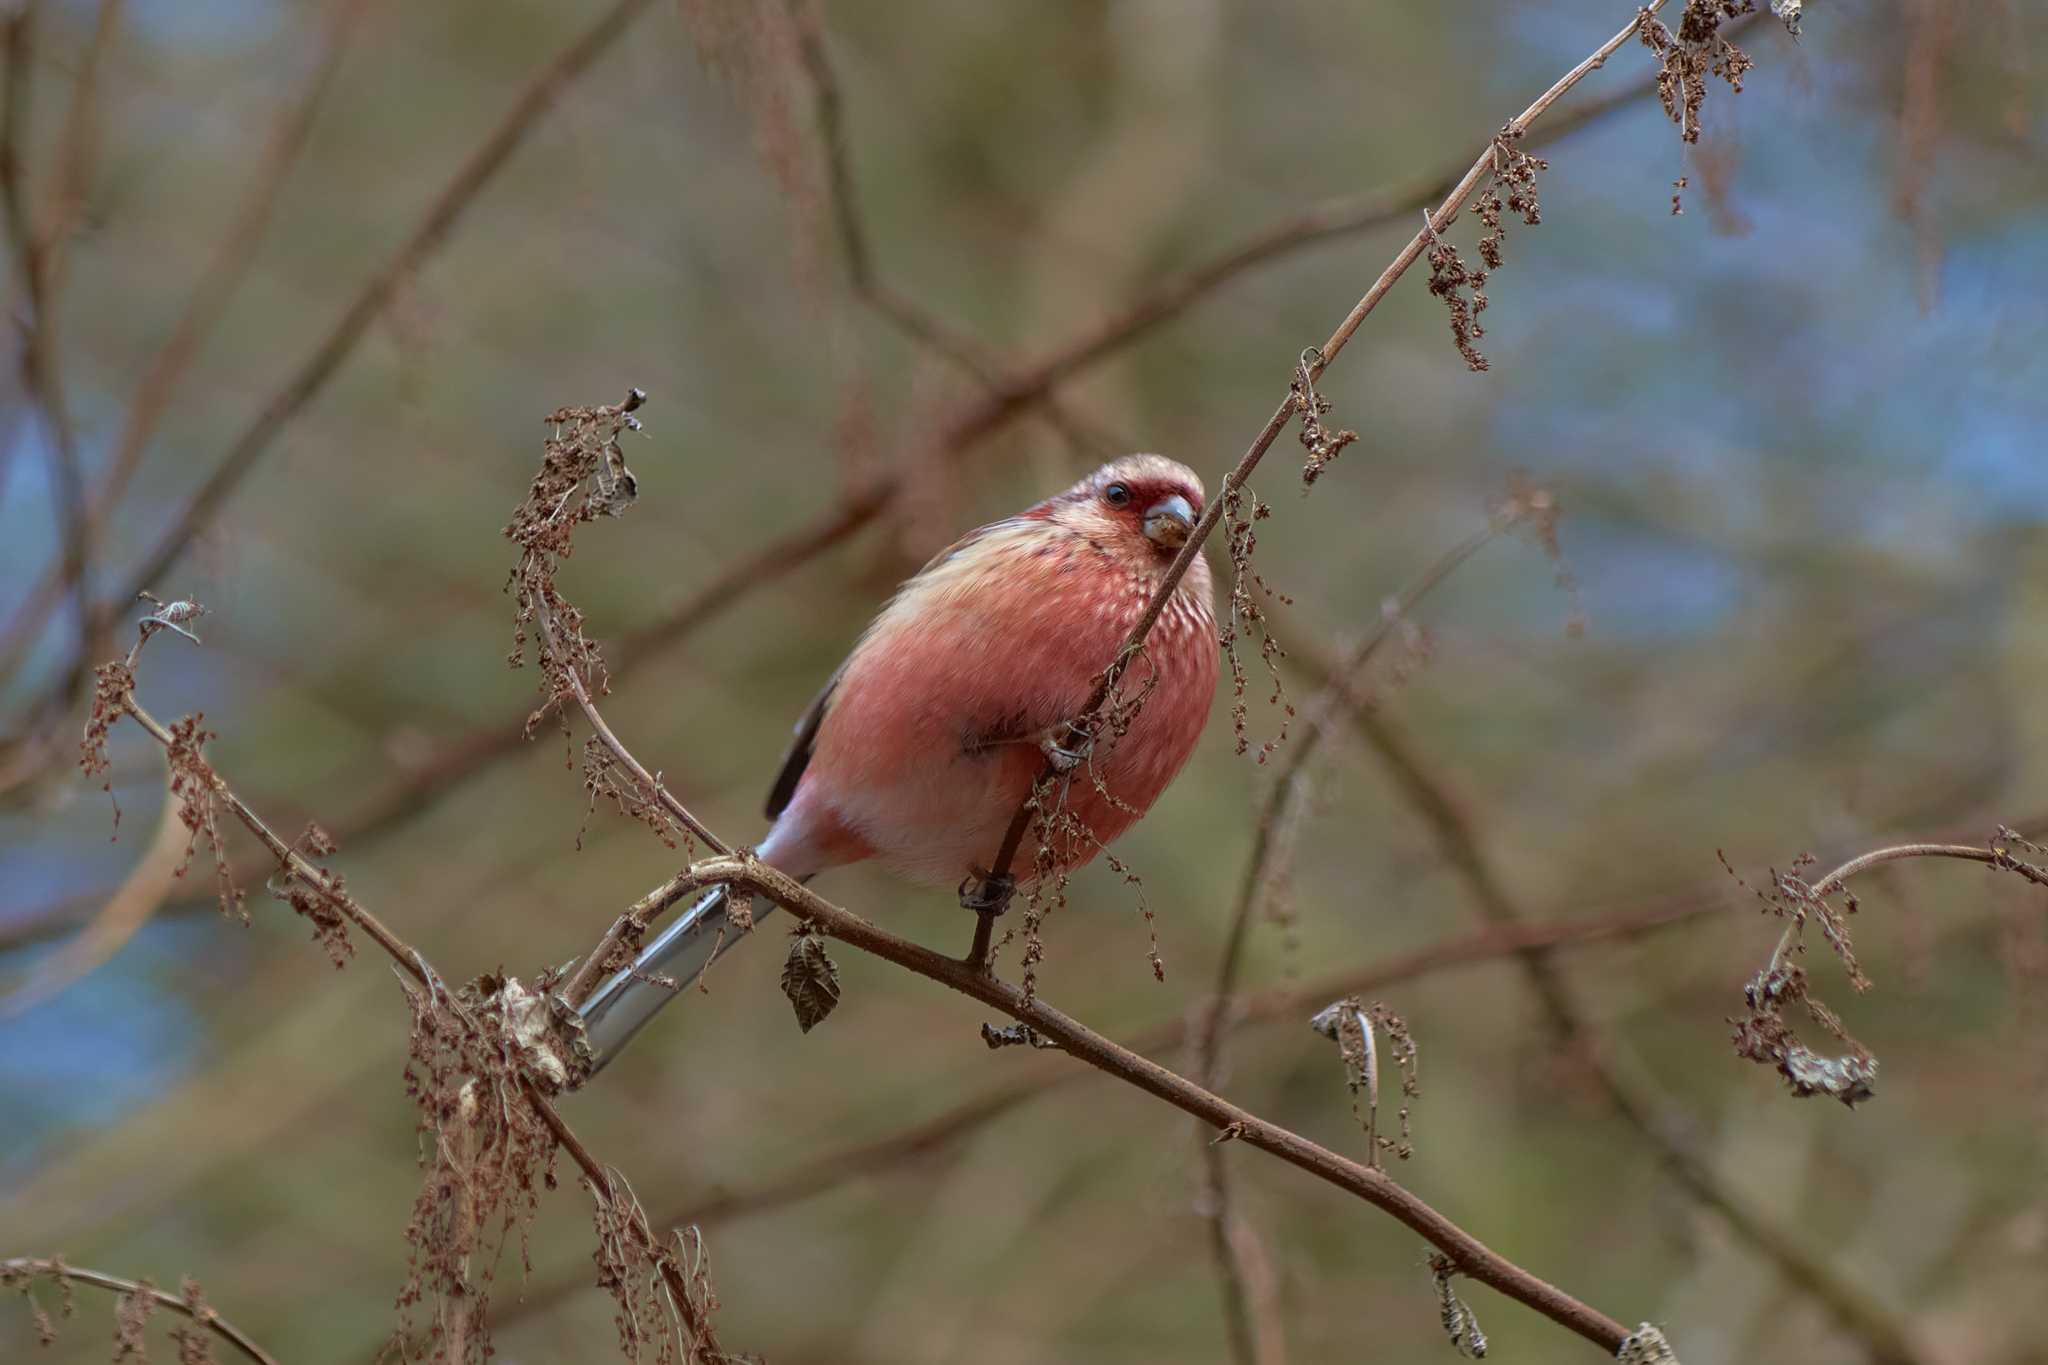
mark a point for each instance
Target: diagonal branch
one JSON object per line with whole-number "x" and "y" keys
{"x": 648, "y": 782}
{"x": 1278, "y": 814}
{"x": 470, "y": 754}
{"x": 203, "y": 309}
{"x": 410, "y": 961}
{"x": 1035, "y": 1077}
{"x": 1433, "y": 224}
{"x": 22, "y": 1270}
{"x": 1473, "y": 1258}
{"x": 1858, "y": 1312}
{"x": 312, "y": 375}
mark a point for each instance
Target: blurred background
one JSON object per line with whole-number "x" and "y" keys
{"x": 1795, "y": 432}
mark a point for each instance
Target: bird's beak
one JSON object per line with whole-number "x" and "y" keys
{"x": 1168, "y": 521}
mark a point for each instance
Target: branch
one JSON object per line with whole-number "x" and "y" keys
{"x": 1312, "y": 368}
{"x": 888, "y": 303}
{"x": 1473, "y": 1258}
{"x": 23, "y": 1270}
{"x": 1995, "y": 857}
{"x": 39, "y": 250}
{"x": 1765, "y": 1036}
{"x": 1636, "y": 1099}
{"x": 203, "y": 309}
{"x": 410, "y": 961}
{"x": 1278, "y": 814}
{"x": 1035, "y": 1077}
{"x": 648, "y": 781}
{"x": 298, "y": 390}
{"x": 470, "y": 754}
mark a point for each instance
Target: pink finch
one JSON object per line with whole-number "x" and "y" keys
{"x": 922, "y": 745}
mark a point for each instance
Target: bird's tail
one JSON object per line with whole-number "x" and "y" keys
{"x": 622, "y": 1005}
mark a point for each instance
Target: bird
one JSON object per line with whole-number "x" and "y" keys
{"x": 920, "y": 748}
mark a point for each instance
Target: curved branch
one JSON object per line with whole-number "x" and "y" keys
{"x": 30, "y": 1267}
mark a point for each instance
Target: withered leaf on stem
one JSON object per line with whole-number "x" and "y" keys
{"x": 810, "y": 980}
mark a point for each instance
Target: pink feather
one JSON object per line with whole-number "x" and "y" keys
{"x": 928, "y": 738}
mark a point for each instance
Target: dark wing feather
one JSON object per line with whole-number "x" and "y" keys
{"x": 799, "y": 756}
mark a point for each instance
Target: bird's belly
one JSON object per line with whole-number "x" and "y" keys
{"x": 929, "y": 759}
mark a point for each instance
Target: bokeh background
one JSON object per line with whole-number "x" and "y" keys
{"x": 1796, "y": 432}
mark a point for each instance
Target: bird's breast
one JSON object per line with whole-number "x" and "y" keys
{"x": 930, "y": 741}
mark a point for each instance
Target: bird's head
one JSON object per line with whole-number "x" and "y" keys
{"x": 1143, "y": 502}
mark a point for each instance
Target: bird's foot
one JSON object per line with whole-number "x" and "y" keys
{"x": 1065, "y": 757}
{"x": 987, "y": 893}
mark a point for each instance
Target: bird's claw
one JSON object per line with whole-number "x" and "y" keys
{"x": 1064, "y": 759}
{"x": 987, "y": 893}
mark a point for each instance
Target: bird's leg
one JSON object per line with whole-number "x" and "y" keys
{"x": 1066, "y": 746}
{"x": 987, "y": 894}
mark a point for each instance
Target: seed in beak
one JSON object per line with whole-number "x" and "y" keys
{"x": 1168, "y": 522}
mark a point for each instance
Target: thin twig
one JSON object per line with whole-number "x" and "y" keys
{"x": 1453, "y": 204}
{"x": 1634, "y": 1098}
{"x": 539, "y": 94}
{"x": 1280, "y": 807}
{"x": 849, "y": 224}
{"x": 40, "y": 253}
{"x": 410, "y": 961}
{"x": 474, "y": 752}
{"x": 1340, "y": 683}
{"x": 203, "y": 309}
{"x": 35, "y": 1267}
{"x": 544, "y": 618}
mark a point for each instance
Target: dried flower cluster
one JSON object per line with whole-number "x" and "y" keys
{"x": 1764, "y": 1035}
{"x": 323, "y": 912}
{"x": 22, "y": 1278}
{"x": 195, "y": 787}
{"x": 583, "y": 476}
{"x": 641, "y": 1273}
{"x": 1645, "y": 1346}
{"x": 1060, "y": 839}
{"x": 112, "y": 682}
{"x": 487, "y": 1156}
{"x": 1536, "y": 512}
{"x": 1698, "y": 51}
{"x": 1514, "y": 170}
{"x": 1322, "y": 445}
{"x": 1249, "y": 593}
{"x": 1463, "y": 292}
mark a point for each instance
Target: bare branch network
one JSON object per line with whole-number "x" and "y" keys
{"x": 487, "y": 1059}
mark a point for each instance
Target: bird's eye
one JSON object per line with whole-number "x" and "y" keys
{"x": 1117, "y": 495}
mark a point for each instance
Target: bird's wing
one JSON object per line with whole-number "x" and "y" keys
{"x": 799, "y": 756}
